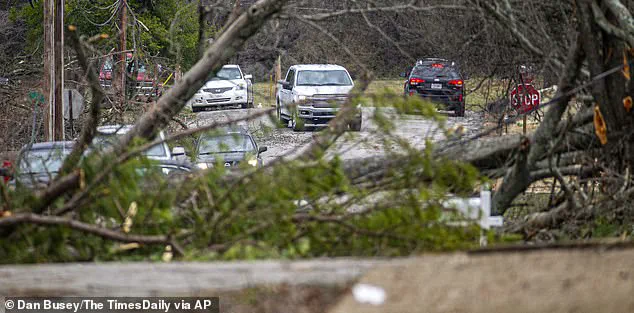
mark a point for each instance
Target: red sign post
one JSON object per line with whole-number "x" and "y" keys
{"x": 6, "y": 165}
{"x": 525, "y": 98}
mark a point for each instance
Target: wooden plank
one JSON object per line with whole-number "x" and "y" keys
{"x": 175, "y": 279}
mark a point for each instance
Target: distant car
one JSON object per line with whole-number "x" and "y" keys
{"x": 438, "y": 80}
{"x": 228, "y": 88}
{"x": 173, "y": 171}
{"x": 172, "y": 167}
{"x": 145, "y": 86}
{"x": 40, "y": 162}
{"x": 311, "y": 95}
{"x": 230, "y": 147}
{"x": 108, "y": 133}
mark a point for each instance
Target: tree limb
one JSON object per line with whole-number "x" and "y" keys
{"x": 538, "y": 145}
{"x": 80, "y": 226}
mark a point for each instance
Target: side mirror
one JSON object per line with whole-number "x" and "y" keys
{"x": 403, "y": 74}
{"x": 178, "y": 151}
{"x": 285, "y": 84}
{"x": 250, "y": 77}
{"x": 262, "y": 149}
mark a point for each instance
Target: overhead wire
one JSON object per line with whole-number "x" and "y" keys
{"x": 114, "y": 9}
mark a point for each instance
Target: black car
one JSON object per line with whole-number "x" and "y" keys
{"x": 229, "y": 147}
{"x": 438, "y": 80}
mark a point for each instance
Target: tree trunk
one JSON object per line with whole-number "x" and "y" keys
{"x": 605, "y": 52}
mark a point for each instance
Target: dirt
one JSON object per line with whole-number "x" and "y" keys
{"x": 282, "y": 141}
{"x": 553, "y": 280}
{"x": 282, "y": 298}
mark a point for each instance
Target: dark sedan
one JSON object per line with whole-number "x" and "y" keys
{"x": 229, "y": 148}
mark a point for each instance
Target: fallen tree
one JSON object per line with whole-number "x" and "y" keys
{"x": 253, "y": 213}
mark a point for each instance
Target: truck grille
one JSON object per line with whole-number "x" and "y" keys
{"x": 327, "y": 114}
{"x": 328, "y": 101}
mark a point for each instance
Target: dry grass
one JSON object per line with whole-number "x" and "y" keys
{"x": 284, "y": 298}
{"x": 489, "y": 91}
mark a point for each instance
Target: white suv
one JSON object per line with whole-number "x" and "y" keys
{"x": 228, "y": 88}
{"x": 311, "y": 95}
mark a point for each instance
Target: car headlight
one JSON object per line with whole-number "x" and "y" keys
{"x": 253, "y": 162}
{"x": 202, "y": 166}
{"x": 239, "y": 87}
{"x": 300, "y": 98}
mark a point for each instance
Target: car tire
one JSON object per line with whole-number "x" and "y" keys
{"x": 298, "y": 127}
{"x": 459, "y": 112}
{"x": 245, "y": 105}
{"x": 280, "y": 118}
{"x": 355, "y": 126}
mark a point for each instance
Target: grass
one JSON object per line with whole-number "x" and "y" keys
{"x": 264, "y": 93}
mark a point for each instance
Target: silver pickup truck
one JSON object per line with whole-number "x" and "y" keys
{"x": 311, "y": 96}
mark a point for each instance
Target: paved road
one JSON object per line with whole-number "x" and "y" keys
{"x": 283, "y": 141}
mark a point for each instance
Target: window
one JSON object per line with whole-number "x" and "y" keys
{"x": 157, "y": 150}
{"x": 43, "y": 161}
{"x": 290, "y": 77}
{"x": 107, "y": 65}
{"x": 102, "y": 141}
{"x": 435, "y": 71}
{"x": 226, "y": 144}
{"x": 227, "y": 73}
{"x": 323, "y": 78}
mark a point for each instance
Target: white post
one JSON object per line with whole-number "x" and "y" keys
{"x": 485, "y": 213}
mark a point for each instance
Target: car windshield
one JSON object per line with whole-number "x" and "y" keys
{"x": 131, "y": 67}
{"x": 103, "y": 140}
{"x": 227, "y": 73}
{"x": 43, "y": 160}
{"x": 439, "y": 71}
{"x": 323, "y": 78}
{"x": 226, "y": 144}
{"x": 107, "y": 65}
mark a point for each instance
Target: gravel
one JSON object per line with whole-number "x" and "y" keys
{"x": 415, "y": 130}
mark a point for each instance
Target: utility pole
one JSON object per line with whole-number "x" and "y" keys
{"x": 54, "y": 69}
{"x": 120, "y": 77}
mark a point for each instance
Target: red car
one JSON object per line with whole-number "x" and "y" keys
{"x": 145, "y": 86}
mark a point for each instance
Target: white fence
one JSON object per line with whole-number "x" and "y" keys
{"x": 477, "y": 210}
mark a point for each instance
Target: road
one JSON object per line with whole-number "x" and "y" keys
{"x": 413, "y": 129}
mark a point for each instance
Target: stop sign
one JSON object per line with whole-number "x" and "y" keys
{"x": 525, "y": 98}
